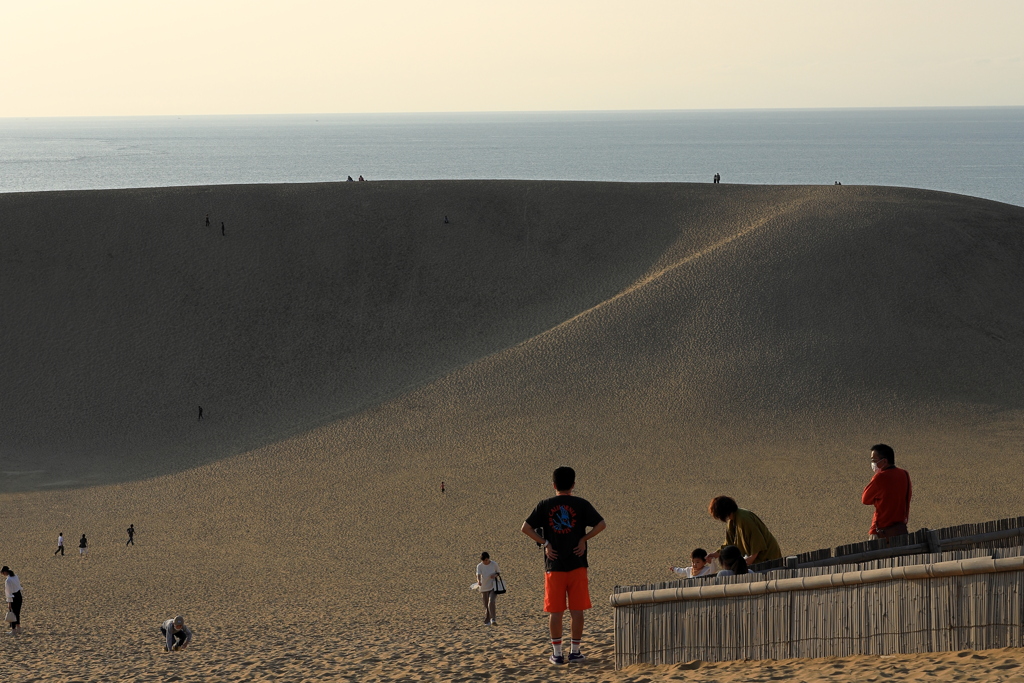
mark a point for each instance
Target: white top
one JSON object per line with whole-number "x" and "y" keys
{"x": 486, "y": 573}
{"x": 60, "y": 540}
{"x": 11, "y": 586}
{"x": 688, "y": 571}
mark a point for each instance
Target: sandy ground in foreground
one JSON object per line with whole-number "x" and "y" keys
{"x": 502, "y": 653}
{"x": 670, "y": 342}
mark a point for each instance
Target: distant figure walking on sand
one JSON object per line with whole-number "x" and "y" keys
{"x": 83, "y": 546}
{"x": 718, "y": 178}
{"x": 131, "y": 535}
{"x": 442, "y": 487}
{"x": 222, "y": 233}
{"x": 207, "y": 220}
{"x": 485, "y": 573}
{"x": 563, "y": 521}
{"x": 60, "y": 544}
{"x": 889, "y": 491}
{"x": 446, "y": 220}
{"x": 177, "y": 636}
{"x": 12, "y": 589}
{"x": 200, "y": 412}
{"x": 745, "y": 530}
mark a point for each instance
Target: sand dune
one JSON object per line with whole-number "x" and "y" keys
{"x": 127, "y": 312}
{"x": 672, "y": 342}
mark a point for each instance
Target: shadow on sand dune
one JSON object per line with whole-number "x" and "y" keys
{"x": 124, "y": 313}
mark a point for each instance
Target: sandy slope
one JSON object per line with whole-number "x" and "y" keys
{"x": 672, "y": 342}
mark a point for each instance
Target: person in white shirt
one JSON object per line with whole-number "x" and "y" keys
{"x": 12, "y": 589}
{"x": 60, "y": 544}
{"x": 485, "y": 573}
{"x": 699, "y": 566}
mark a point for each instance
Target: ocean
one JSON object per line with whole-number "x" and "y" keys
{"x": 972, "y": 151}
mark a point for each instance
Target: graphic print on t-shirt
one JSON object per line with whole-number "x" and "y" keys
{"x": 562, "y": 519}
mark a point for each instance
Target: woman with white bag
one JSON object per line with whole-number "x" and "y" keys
{"x": 486, "y": 572}
{"x": 12, "y": 588}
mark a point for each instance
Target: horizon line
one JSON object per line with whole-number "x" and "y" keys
{"x": 506, "y": 112}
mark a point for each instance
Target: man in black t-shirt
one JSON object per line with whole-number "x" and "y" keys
{"x": 560, "y": 525}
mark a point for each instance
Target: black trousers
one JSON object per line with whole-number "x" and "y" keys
{"x": 60, "y": 549}
{"x": 16, "y": 608}
{"x": 179, "y": 636}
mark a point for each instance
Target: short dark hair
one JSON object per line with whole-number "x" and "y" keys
{"x": 564, "y": 478}
{"x": 885, "y": 452}
{"x": 699, "y": 554}
{"x": 485, "y": 556}
{"x": 721, "y": 507}
{"x": 732, "y": 558}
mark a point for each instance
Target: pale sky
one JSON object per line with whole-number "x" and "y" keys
{"x": 178, "y": 57}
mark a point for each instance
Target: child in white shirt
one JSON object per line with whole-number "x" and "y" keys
{"x": 699, "y": 566}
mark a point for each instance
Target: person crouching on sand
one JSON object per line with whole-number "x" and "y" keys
{"x": 699, "y": 565}
{"x": 745, "y": 530}
{"x": 12, "y": 589}
{"x": 177, "y": 635}
{"x": 485, "y": 573}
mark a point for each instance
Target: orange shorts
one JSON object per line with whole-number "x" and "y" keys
{"x": 559, "y": 585}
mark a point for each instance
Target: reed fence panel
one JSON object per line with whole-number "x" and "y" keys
{"x": 956, "y": 600}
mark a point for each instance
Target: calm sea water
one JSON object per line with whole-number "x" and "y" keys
{"x": 970, "y": 151}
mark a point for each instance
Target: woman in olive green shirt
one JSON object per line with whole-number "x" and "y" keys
{"x": 745, "y": 530}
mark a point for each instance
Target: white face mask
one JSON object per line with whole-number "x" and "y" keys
{"x": 874, "y": 467}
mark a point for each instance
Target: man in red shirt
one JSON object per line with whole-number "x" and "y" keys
{"x": 889, "y": 491}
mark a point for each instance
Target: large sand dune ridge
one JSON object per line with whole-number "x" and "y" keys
{"x": 672, "y": 342}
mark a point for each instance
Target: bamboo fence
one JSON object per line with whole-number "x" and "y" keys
{"x": 969, "y": 597}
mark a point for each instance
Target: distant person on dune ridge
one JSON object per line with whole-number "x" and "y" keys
{"x": 177, "y": 636}
{"x": 745, "y": 530}
{"x": 83, "y": 546}
{"x": 362, "y": 179}
{"x": 485, "y": 573}
{"x": 131, "y": 535}
{"x": 349, "y": 179}
{"x": 889, "y": 491}
{"x": 12, "y": 589}
{"x": 562, "y": 522}
{"x": 60, "y": 544}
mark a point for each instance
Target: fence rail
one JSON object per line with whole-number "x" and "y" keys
{"x": 944, "y": 589}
